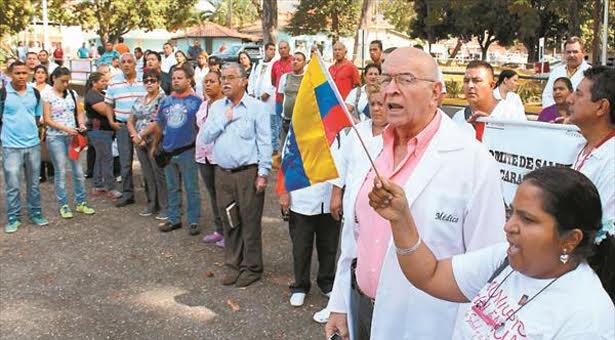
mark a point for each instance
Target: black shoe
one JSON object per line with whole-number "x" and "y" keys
{"x": 168, "y": 226}
{"x": 246, "y": 279}
{"x": 194, "y": 229}
{"x": 123, "y": 203}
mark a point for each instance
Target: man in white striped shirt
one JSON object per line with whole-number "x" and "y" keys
{"x": 122, "y": 93}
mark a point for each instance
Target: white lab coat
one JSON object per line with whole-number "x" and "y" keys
{"x": 260, "y": 83}
{"x": 456, "y": 176}
{"x": 560, "y": 71}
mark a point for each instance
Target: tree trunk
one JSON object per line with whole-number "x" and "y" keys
{"x": 574, "y": 27}
{"x": 596, "y": 29}
{"x": 269, "y": 20}
{"x": 362, "y": 25}
{"x": 335, "y": 27}
{"x": 532, "y": 50}
{"x": 455, "y": 51}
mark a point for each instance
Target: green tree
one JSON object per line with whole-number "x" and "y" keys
{"x": 243, "y": 13}
{"x": 15, "y": 15}
{"x": 544, "y": 18}
{"x": 334, "y": 17}
{"x": 268, "y": 12}
{"x": 113, "y": 18}
{"x": 399, "y": 13}
{"x": 433, "y": 20}
{"x": 488, "y": 21}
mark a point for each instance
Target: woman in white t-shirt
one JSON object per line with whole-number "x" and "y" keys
{"x": 64, "y": 119}
{"x": 200, "y": 71}
{"x": 553, "y": 280}
{"x": 505, "y": 89}
{"x": 357, "y": 100}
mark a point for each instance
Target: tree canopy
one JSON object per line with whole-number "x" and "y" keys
{"x": 337, "y": 18}
{"x": 15, "y": 15}
{"x": 243, "y": 13}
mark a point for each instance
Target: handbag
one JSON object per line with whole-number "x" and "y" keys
{"x": 163, "y": 158}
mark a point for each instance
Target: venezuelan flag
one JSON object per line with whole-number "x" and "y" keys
{"x": 318, "y": 116}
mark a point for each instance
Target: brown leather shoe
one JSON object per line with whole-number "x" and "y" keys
{"x": 246, "y": 279}
{"x": 230, "y": 279}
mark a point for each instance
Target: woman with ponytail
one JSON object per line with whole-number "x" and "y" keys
{"x": 100, "y": 134}
{"x": 553, "y": 279}
{"x": 65, "y": 119}
{"x": 505, "y": 89}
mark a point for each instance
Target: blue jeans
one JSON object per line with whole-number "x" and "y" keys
{"x": 58, "y": 150}
{"x": 276, "y": 122}
{"x": 14, "y": 160}
{"x": 185, "y": 165}
{"x": 101, "y": 141}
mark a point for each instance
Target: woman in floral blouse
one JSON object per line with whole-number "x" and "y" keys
{"x": 143, "y": 114}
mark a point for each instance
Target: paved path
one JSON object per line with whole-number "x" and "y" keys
{"x": 114, "y": 276}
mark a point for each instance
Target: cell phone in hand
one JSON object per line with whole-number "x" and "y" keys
{"x": 285, "y": 215}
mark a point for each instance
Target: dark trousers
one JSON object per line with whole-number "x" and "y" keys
{"x": 46, "y": 170}
{"x": 90, "y": 160}
{"x": 243, "y": 248}
{"x": 155, "y": 181}
{"x": 126, "y": 151}
{"x": 362, "y": 307}
{"x": 302, "y": 229}
{"x": 208, "y": 173}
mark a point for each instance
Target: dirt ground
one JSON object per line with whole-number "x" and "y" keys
{"x": 113, "y": 275}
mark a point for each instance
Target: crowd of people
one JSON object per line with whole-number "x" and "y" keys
{"x": 416, "y": 238}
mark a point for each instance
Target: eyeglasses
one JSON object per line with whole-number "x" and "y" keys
{"x": 150, "y": 81}
{"x": 229, "y": 78}
{"x": 402, "y": 79}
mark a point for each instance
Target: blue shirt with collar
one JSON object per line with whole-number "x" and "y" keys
{"x": 21, "y": 112}
{"x": 244, "y": 140}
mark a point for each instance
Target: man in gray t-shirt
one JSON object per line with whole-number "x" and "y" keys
{"x": 288, "y": 89}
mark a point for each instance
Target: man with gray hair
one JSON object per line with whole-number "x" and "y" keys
{"x": 123, "y": 91}
{"x": 238, "y": 126}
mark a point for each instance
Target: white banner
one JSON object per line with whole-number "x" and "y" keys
{"x": 520, "y": 147}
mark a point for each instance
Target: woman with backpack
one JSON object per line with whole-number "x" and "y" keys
{"x": 65, "y": 120}
{"x": 553, "y": 279}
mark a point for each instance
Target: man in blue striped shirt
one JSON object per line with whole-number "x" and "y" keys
{"x": 122, "y": 93}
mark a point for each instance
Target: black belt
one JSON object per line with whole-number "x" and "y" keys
{"x": 355, "y": 285}
{"x": 238, "y": 169}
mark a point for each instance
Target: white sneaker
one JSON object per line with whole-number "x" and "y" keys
{"x": 322, "y": 316}
{"x": 297, "y": 299}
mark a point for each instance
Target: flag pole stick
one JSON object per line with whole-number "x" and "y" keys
{"x": 344, "y": 108}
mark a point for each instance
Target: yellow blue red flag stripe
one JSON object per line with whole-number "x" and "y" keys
{"x": 318, "y": 116}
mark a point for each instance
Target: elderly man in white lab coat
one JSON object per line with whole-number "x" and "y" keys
{"x": 453, "y": 188}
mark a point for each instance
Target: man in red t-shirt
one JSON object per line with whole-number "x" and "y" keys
{"x": 344, "y": 73}
{"x": 280, "y": 66}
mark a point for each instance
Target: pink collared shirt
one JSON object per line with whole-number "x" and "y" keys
{"x": 203, "y": 152}
{"x": 374, "y": 232}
